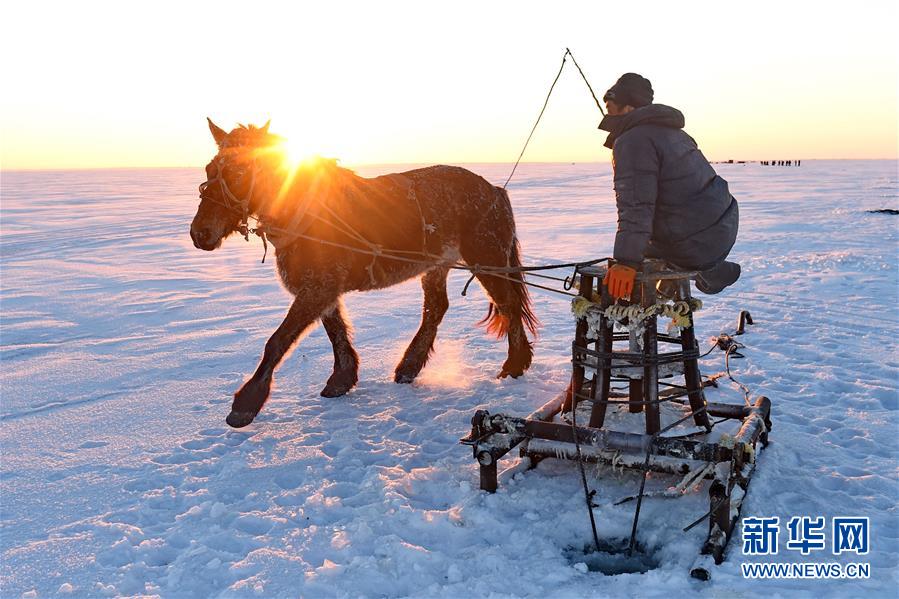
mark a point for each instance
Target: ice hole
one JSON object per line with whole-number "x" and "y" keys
{"x": 612, "y": 558}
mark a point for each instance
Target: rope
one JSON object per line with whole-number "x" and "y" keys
{"x": 588, "y": 494}
{"x": 376, "y": 251}
{"x": 677, "y": 311}
{"x": 633, "y": 541}
{"x": 595, "y": 99}
{"x": 551, "y": 278}
{"x": 546, "y": 102}
{"x": 537, "y": 122}
{"x": 747, "y": 393}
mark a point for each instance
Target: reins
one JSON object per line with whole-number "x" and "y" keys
{"x": 423, "y": 257}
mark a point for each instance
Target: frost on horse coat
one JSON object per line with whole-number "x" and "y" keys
{"x": 335, "y": 232}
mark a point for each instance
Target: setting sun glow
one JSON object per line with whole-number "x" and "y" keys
{"x": 379, "y": 83}
{"x": 296, "y": 153}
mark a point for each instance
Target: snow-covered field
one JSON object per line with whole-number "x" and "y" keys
{"x": 122, "y": 345}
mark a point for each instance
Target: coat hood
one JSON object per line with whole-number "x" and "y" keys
{"x": 653, "y": 114}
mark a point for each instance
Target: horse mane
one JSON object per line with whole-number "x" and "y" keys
{"x": 328, "y": 166}
{"x": 322, "y": 177}
{"x": 251, "y": 136}
{"x": 317, "y": 174}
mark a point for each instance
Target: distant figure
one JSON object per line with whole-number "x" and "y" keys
{"x": 797, "y": 162}
{"x": 671, "y": 203}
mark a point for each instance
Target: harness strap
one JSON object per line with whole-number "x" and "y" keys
{"x": 232, "y": 201}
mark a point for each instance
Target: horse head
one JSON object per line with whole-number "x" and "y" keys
{"x": 239, "y": 178}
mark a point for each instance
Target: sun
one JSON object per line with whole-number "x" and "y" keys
{"x": 296, "y": 153}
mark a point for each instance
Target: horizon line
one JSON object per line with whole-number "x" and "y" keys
{"x": 366, "y": 164}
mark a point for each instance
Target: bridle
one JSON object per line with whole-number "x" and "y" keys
{"x": 280, "y": 237}
{"x": 235, "y": 204}
{"x": 231, "y": 201}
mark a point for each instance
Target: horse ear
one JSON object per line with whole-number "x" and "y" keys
{"x": 218, "y": 134}
{"x": 265, "y": 126}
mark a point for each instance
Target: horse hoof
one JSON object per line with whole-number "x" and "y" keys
{"x": 240, "y": 419}
{"x": 403, "y": 378}
{"x": 406, "y": 371}
{"x": 340, "y": 383}
{"x": 335, "y": 390}
{"x": 504, "y": 373}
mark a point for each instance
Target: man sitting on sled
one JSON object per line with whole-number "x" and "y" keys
{"x": 671, "y": 203}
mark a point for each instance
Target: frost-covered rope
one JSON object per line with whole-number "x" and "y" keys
{"x": 678, "y": 311}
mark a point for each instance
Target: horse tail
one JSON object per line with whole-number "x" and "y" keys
{"x": 496, "y": 322}
{"x": 528, "y": 318}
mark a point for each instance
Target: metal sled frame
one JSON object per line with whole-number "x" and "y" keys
{"x": 729, "y": 463}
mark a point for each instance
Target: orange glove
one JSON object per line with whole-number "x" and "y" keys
{"x": 620, "y": 280}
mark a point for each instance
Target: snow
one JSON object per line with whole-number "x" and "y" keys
{"x": 122, "y": 345}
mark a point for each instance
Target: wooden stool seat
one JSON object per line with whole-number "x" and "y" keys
{"x": 641, "y": 364}
{"x": 598, "y": 271}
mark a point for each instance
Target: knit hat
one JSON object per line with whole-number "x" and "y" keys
{"x": 630, "y": 89}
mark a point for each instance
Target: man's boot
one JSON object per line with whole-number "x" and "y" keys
{"x": 717, "y": 278}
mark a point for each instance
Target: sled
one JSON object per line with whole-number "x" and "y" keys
{"x": 647, "y": 361}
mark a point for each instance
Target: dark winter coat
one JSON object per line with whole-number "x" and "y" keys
{"x": 671, "y": 203}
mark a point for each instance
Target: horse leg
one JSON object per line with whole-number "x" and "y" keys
{"x": 507, "y": 315}
{"x": 252, "y": 395}
{"x": 435, "y": 305}
{"x": 346, "y": 360}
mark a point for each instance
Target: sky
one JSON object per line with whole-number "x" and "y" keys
{"x": 128, "y": 84}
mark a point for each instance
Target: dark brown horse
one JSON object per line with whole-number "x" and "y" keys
{"x": 335, "y": 232}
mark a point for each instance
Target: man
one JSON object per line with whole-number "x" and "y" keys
{"x": 671, "y": 203}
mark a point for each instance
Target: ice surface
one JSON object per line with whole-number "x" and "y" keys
{"x": 122, "y": 345}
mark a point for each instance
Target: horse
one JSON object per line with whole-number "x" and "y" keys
{"x": 334, "y": 232}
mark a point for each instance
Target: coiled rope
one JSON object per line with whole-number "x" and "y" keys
{"x": 678, "y": 312}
